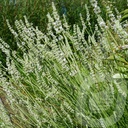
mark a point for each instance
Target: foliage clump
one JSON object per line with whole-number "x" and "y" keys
{"x": 63, "y": 78}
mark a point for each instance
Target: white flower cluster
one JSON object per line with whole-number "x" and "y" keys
{"x": 11, "y": 29}
{"x": 56, "y": 22}
{"x": 101, "y": 23}
{"x": 88, "y": 14}
{"x": 95, "y": 6}
{"x": 4, "y": 47}
{"x": 110, "y": 14}
{"x": 117, "y": 26}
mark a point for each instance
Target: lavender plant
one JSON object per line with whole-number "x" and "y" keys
{"x": 60, "y": 79}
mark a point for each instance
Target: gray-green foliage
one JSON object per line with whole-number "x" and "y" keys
{"x": 125, "y": 15}
{"x": 60, "y": 79}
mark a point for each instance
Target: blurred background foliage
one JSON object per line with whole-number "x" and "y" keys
{"x": 36, "y": 11}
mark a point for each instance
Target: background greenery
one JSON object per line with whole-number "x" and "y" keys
{"x": 36, "y": 11}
